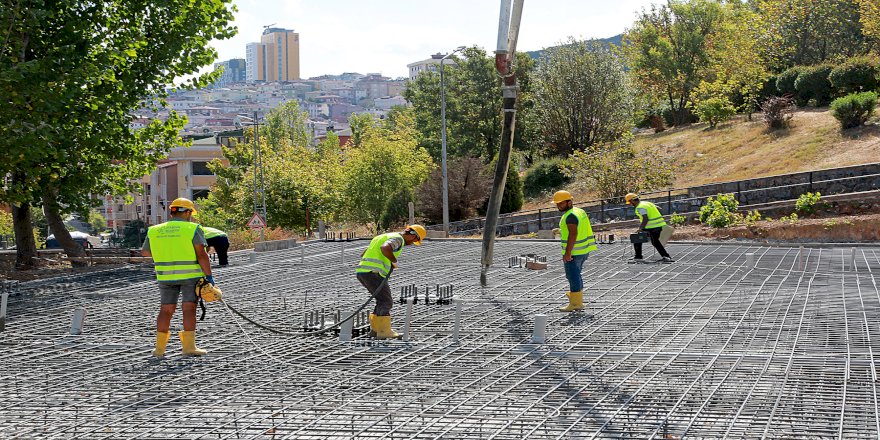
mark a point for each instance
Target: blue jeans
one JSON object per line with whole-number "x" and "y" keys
{"x": 573, "y": 272}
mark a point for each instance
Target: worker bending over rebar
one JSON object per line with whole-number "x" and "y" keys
{"x": 376, "y": 264}
{"x": 652, "y": 222}
{"x": 181, "y": 262}
{"x": 577, "y": 243}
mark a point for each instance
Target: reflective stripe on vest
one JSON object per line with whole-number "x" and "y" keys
{"x": 655, "y": 219}
{"x": 174, "y": 256}
{"x": 213, "y": 232}
{"x": 584, "y": 242}
{"x": 374, "y": 260}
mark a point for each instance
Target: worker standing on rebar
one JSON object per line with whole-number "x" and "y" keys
{"x": 376, "y": 264}
{"x": 577, "y": 243}
{"x": 178, "y": 250}
{"x": 652, "y": 222}
{"x": 218, "y": 240}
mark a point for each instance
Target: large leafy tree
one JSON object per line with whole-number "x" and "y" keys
{"x": 72, "y": 74}
{"x": 806, "y": 32}
{"x": 668, "y": 50}
{"x": 387, "y": 161}
{"x": 582, "y": 96}
{"x": 473, "y": 106}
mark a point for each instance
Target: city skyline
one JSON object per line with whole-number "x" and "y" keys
{"x": 383, "y": 37}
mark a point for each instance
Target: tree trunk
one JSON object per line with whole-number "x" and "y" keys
{"x": 56, "y": 225}
{"x": 25, "y": 247}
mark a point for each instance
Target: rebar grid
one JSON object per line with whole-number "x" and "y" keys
{"x": 719, "y": 344}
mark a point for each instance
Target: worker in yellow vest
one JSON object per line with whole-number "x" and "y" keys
{"x": 652, "y": 222}
{"x": 218, "y": 240}
{"x": 577, "y": 242}
{"x": 178, "y": 250}
{"x": 376, "y": 264}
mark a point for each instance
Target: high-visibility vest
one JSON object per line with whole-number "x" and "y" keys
{"x": 213, "y": 232}
{"x": 171, "y": 244}
{"x": 374, "y": 260}
{"x": 655, "y": 219}
{"x": 584, "y": 242}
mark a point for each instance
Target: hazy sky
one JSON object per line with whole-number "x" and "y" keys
{"x": 385, "y": 35}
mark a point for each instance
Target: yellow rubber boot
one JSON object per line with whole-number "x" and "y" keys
{"x": 373, "y": 328}
{"x": 188, "y": 340}
{"x": 575, "y": 302}
{"x": 383, "y": 328}
{"x": 161, "y": 342}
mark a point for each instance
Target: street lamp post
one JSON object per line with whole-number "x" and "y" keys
{"x": 443, "y": 142}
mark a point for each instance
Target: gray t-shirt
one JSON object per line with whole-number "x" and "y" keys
{"x": 198, "y": 237}
{"x": 396, "y": 243}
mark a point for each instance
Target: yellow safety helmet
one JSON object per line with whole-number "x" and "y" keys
{"x": 183, "y": 203}
{"x": 561, "y": 196}
{"x": 630, "y": 196}
{"x": 207, "y": 291}
{"x": 420, "y": 232}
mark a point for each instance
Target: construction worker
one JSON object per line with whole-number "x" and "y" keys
{"x": 178, "y": 250}
{"x": 218, "y": 240}
{"x": 376, "y": 263}
{"x": 577, "y": 243}
{"x": 651, "y": 222}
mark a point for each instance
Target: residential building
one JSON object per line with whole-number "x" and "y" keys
{"x": 430, "y": 65}
{"x": 275, "y": 58}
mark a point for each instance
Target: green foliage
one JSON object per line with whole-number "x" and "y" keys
{"x": 714, "y": 109}
{"x": 790, "y": 219}
{"x": 134, "y": 234}
{"x": 5, "y": 223}
{"x": 582, "y": 96}
{"x": 751, "y": 218}
{"x": 812, "y": 85}
{"x": 96, "y": 221}
{"x": 396, "y": 209}
{"x": 543, "y": 177}
{"x": 618, "y": 167}
{"x": 785, "y": 80}
{"x": 512, "y": 200}
{"x": 856, "y": 75}
{"x": 720, "y": 212}
{"x": 806, "y": 203}
{"x": 386, "y": 162}
{"x": 677, "y": 219}
{"x": 778, "y": 111}
{"x": 855, "y": 109}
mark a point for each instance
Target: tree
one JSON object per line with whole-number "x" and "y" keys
{"x": 619, "y": 168}
{"x": 469, "y": 185}
{"x": 807, "y": 32}
{"x": 72, "y": 73}
{"x": 711, "y": 104}
{"x": 473, "y": 106}
{"x": 869, "y": 16}
{"x": 386, "y": 162}
{"x": 668, "y": 50}
{"x": 96, "y": 221}
{"x": 582, "y": 96}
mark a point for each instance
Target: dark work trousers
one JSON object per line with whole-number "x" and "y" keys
{"x": 372, "y": 280}
{"x": 655, "y": 240}
{"x": 221, "y": 247}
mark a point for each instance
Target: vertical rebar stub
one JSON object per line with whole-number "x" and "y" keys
{"x": 456, "y": 331}
{"x": 345, "y": 329}
{"x": 801, "y": 265}
{"x": 539, "y": 334}
{"x": 4, "y": 300}
{"x": 79, "y": 316}
{"x": 253, "y": 257}
{"x": 852, "y": 259}
{"x": 408, "y": 321}
{"x": 750, "y": 260}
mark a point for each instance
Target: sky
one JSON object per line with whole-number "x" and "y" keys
{"x": 383, "y": 36}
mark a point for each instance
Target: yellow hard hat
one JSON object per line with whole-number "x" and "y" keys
{"x": 561, "y": 196}
{"x": 183, "y": 203}
{"x": 630, "y": 196}
{"x": 420, "y": 232}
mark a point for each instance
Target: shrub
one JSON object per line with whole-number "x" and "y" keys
{"x": 785, "y": 80}
{"x": 714, "y": 110}
{"x": 813, "y": 84}
{"x": 856, "y": 75}
{"x": 544, "y": 176}
{"x": 469, "y": 186}
{"x": 396, "y": 209}
{"x": 513, "y": 198}
{"x": 855, "y": 109}
{"x": 677, "y": 219}
{"x": 778, "y": 111}
{"x": 790, "y": 219}
{"x": 751, "y": 218}
{"x": 806, "y": 203}
{"x": 720, "y": 212}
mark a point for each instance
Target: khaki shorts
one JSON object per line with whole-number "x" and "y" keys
{"x": 171, "y": 291}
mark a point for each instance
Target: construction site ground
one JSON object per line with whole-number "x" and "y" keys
{"x": 730, "y": 341}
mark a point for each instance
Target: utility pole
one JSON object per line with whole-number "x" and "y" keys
{"x": 505, "y": 56}
{"x": 443, "y": 142}
{"x": 258, "y": 165}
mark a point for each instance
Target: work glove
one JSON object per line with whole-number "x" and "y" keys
{"x": 394, "y": 265}
{"x": 210, "y": 279}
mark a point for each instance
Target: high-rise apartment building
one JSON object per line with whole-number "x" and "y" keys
{"x": 234, "y": 71}
{"x": 275, "y": 58}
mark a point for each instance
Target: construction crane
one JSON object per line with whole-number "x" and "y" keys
{"x": 505, "y": 57}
